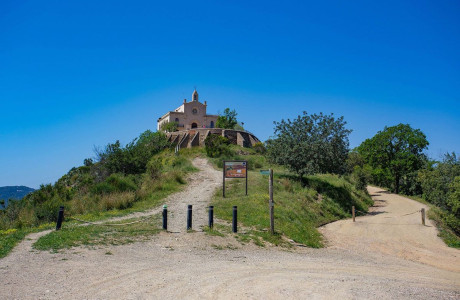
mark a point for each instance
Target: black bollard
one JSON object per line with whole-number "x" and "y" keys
{"x": 235, "y": 216}
{"x": 60, "y": 218}
{"x": 189, "y": 218}
{"x": 211, "y": 217}
{"x": 165, "y": 217}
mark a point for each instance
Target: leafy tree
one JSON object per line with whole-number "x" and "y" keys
{"x": 227, "y": 120}
{"x": 438, "y": 182}
{"x": 88, "y": 162}
{"x": 169, "y": 126}
{"x": 310, "y": 144}
{"x": 216, "y": 145}
{"x": 393, "y": 153}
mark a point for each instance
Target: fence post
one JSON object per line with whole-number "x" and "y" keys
{"x": 60, "y": 218}
{"x": 189, "y": 217}
{"x": 423, "y": 216}
{"x": 235, "y": 217}
{"x": 165, "y": 217}
{"x": 211, "y": 217}
{"x": 353, "y": 212}
{"x": 271, "y": 203}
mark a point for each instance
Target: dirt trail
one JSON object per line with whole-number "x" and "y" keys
{"x": 394, "y": 228}
{"x": 198, "y": 266}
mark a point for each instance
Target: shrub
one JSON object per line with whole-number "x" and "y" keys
{"x": 154, "y": 167}
{"x": 361, "y": 177}
{"x": 115, "y": 183}
{"x": 117, "y": 201}
{"x": 259, "y": 148}
{"x": 216, "y": 145}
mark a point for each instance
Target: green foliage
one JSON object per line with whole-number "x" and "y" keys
{"x": 354, "y": 160}
{"x": 227, "y": 120}
{"x": 394, "y": 152}
{"x": 133, "y": 158}
{"x": 310, "y": 144}
{"x": 169, "y": 126}
{"x": 259, "y": 148}
{"x": 440, "y": 184}
{"x": 299, "y": 210}
{"x": 361, "y": 177}
{"x": 115, "y": 183}
{"x": 216, "y": 145}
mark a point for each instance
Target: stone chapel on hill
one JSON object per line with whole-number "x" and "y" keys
{"x": 189, "y": 115}
{"x": 195, "y": 125}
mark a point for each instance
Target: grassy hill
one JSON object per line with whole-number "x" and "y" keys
{"x": 138, "y": 176}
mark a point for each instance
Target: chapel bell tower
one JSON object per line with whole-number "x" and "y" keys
{"x": 195, "y": 96}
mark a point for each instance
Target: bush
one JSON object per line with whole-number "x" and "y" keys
{"x": 361, "y": 177}
{"x": 259, "y": 148}
{"x": 216, "y": 145}
{"x": 115, "y": 183}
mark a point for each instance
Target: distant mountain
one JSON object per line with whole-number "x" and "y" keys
{"x": 13, "y": 192}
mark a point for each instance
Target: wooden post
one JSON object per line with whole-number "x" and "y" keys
{"x": 223, "y": 183}
{"x": 423, "y": 216}
{"x": 246, "y": 178}
{"x": 353, "y": 212}
{"x": 271, "y": 203}
{"x": 60, "y": 218}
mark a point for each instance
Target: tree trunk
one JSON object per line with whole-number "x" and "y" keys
{"x": 397, "y": 184}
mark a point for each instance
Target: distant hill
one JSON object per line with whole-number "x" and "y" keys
{"x": 13, "y": 192}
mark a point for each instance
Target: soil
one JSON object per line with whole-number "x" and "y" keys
{"x": 386, "y": 255}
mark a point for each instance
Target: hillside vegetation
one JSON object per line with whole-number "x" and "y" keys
{"x": 299, "y": 208}
{"x": 121, "y": 180}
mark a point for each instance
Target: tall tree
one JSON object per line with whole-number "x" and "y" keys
{"x": 310, "y": 144}
{"x": 227, "y": 120}
{"x": 396, "y": 151}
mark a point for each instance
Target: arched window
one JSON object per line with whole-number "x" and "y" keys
{"x": 212, "y": 124}
{"x": 176, "y": 120}
{"x": 194, "y": 125}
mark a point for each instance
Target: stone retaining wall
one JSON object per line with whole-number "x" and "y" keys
{"x": 195, "y": 137}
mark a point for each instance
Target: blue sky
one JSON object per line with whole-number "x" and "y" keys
{"x": 79, "y": 74}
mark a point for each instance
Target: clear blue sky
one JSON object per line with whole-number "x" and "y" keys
{"x": 79, "y": 74}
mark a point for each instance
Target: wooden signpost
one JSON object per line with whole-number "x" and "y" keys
{"x": 235, "y": 169}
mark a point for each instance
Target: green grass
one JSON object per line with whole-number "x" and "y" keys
{"x": 437, "y": 215}
{"x": 11, "y": 237}
{"x": 99, "y": 235}
{"x": 298, "y": 210}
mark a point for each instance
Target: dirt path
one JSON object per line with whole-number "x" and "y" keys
{"x": 199, "y": 266}
{"x": 394, "y": 228}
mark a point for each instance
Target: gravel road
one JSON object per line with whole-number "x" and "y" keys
{"x": 384, "y": 256}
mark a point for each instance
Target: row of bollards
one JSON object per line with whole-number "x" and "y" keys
{"x": 210, "y": 218}
{"x": 165, "y": 218}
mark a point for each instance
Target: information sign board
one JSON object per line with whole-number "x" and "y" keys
{"x": 235, "y": 169}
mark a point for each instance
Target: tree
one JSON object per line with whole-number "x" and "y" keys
{"x": 169, "y": 126}
{"x": 216, "y": 145}
{"x": 227, "y": 120}
{"x": 310, "y": 144}
{"x": 395, "y": 152}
